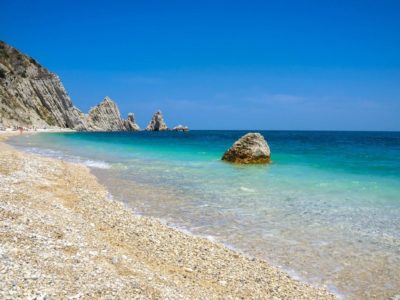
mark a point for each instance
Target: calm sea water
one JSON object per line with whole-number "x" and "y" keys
{"x": 327, "y": 209}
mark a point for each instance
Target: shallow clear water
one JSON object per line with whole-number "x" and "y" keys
{"x": 327, "y": 209}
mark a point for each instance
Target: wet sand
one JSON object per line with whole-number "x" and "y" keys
{"x": 62, "y": 235}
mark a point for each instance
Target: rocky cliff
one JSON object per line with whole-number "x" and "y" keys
{"x": 32, "y": 96}
{"x": 157, "y": 123}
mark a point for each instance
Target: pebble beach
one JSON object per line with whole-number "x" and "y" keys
{"x": 64, "y": 237}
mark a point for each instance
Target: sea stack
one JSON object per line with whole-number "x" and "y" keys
{"x": 157, "y": 123}
{"x": 180, "y": 128}
{"x": 251, "y": 148}
{"x": 105, "y": 117}
{"x": 130, "y": 123}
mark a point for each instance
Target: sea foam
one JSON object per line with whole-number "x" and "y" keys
{"x": 97, "y": 164}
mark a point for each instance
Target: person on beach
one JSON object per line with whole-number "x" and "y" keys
{"x": 20, "y": 130}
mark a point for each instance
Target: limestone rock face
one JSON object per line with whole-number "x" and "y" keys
{"x": 130, "y": 123}
{"x": 180, "y": 128}
{"x": 157, "y": 123}
{"x": 105, "y": 116}
{"x": 251, "y": 148}
{"x": 32, "y": 96}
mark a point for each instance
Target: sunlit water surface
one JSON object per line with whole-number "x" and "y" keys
{"x": 327, "y": 209}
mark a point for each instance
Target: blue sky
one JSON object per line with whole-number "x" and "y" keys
{"x": 324, "y": 65}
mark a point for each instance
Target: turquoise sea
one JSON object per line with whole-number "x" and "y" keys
{"x": 326, "y": 210}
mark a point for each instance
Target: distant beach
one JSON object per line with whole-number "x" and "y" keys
{"x": 63, "y": 236}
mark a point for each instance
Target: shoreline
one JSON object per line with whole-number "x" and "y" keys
{"x": 63, "y": 236}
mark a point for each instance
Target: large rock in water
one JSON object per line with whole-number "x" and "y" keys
{"x": 32, "y": 96}
{"x": 251, "y": 148}
{"x": 157, "y": 123}
{"x": 180, "y": 128}
{"x": 130, "y": 123}
{"x": 105, "y": 116}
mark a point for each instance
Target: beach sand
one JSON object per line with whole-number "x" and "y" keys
{"x": 63, "y": 237}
